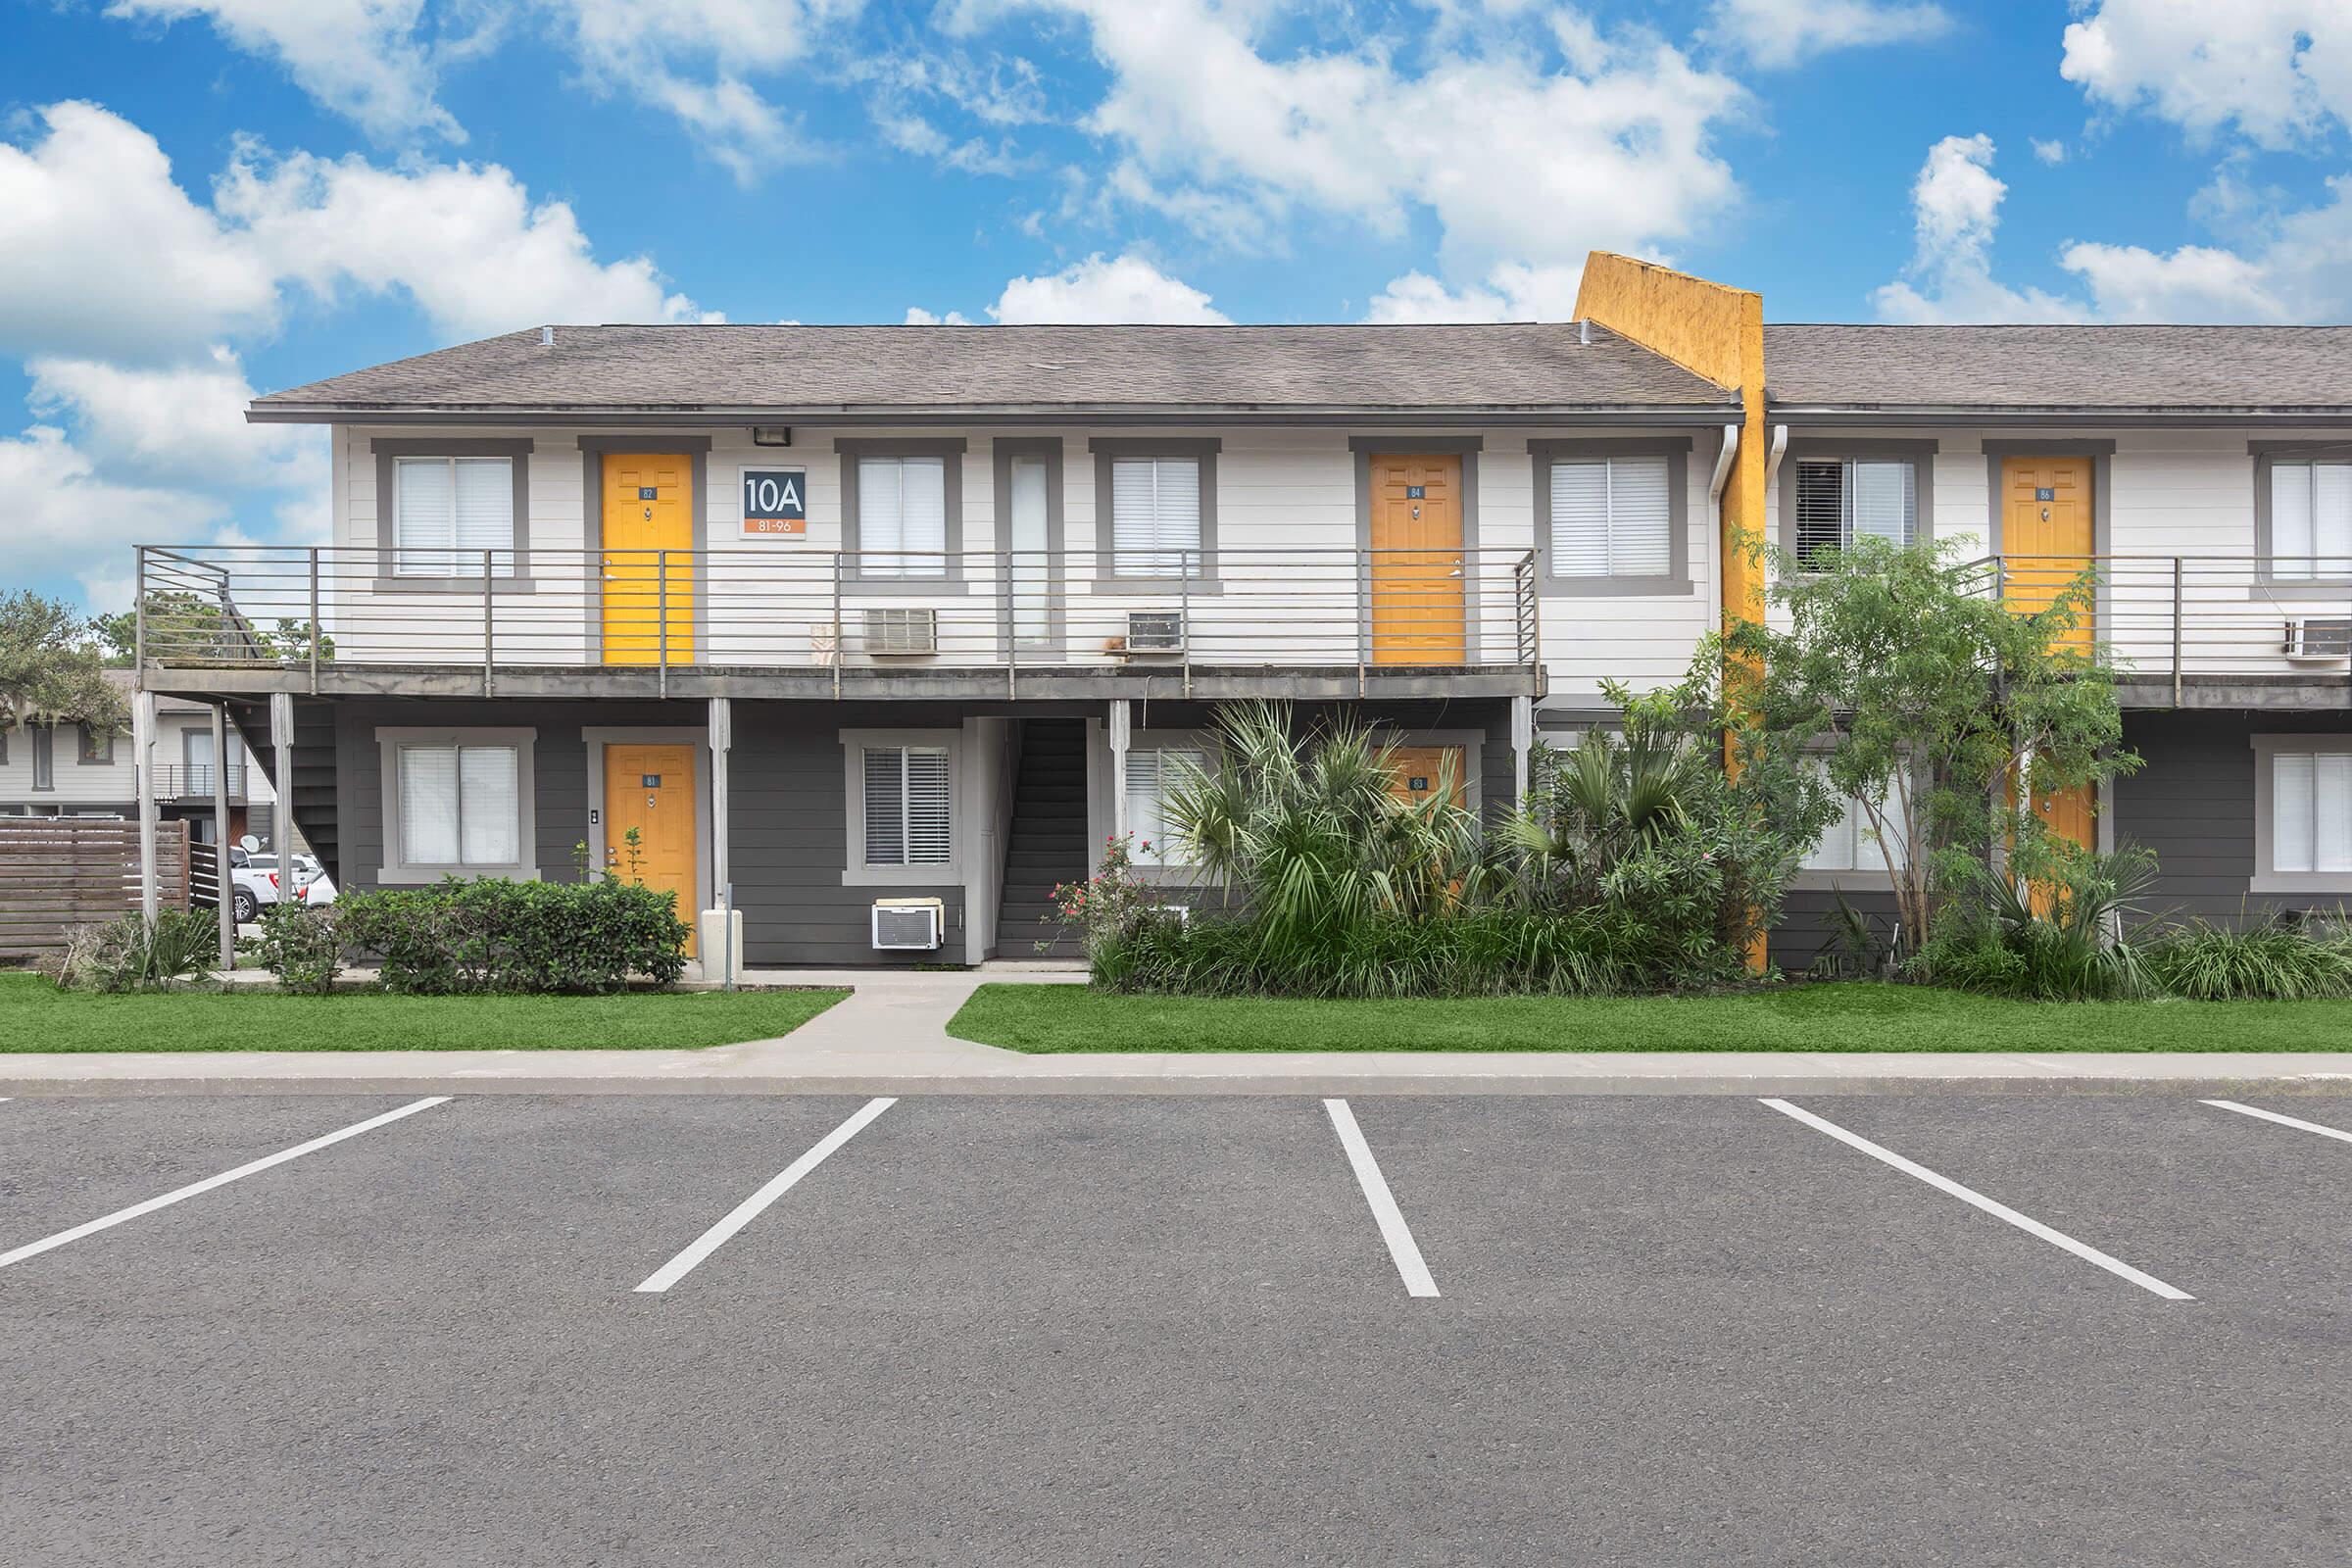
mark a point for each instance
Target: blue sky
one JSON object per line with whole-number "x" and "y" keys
{"x": 208, "y": 198}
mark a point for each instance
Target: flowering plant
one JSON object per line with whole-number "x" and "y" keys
{"x": 1108, "y": 903}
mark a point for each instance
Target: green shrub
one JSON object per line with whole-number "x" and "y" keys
{"x": 492, "y": 934}
{"x": 2051, "y": 931}
{"x": 1492, "y": 952}
{"x": 301, "y": 945}
{"x": 2270, "y": 961}
{"x": 134, "y": 955}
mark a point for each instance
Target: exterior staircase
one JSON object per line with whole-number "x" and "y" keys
{"x": 1047, "y": 844}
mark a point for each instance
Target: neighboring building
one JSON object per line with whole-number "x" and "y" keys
{"x": 70, "y": 769}
{"x": 838, "y": 615}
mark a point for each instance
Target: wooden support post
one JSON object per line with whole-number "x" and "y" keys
{"x": 142, "y": 748}
{"x": 223, "y": 885}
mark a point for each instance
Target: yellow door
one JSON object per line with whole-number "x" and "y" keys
{"x": 650, "y": 788}
{"x": 1417, "y": 562}
{"x": 2046, "y": 536}
{"x": 649, "y": 564}
{"x": 1416, "y": 772}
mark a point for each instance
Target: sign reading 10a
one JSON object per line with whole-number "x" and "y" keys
{"x": 775, "y": 501}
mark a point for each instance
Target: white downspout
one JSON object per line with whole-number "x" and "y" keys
{"x": 1723, "y": 474}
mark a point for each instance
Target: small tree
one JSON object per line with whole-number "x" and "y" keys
{"x": 190, "y": 626}
{"x": 1945, "y": 712}
{"x": 50, "y": 666}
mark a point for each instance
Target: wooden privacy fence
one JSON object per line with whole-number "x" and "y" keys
{"x": 58, "y": 872}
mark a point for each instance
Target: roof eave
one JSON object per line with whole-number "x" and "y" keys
{"x": 267, "y": 413}
{"x": 1896, "y": 415}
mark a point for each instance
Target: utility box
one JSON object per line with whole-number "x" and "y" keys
{"x": 720, "y": 962}
{"x": 909, "y": 925}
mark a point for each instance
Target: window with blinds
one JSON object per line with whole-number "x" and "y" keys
{"x": 461, "y": 805}
{"x": 1155, "y": 516}
{"x": 1842, "y": 500}
{"x": 2311, "y": 811}
{"x": 902, "y": 516}
{"x": 2311, "y": 521}
{"x": 447, "y": 511}
{"x": 907, "y": 806}
{"x": 1846, "y": 845}
{"x": 1611, "y": 517}
{"x": 1154, "y": 773}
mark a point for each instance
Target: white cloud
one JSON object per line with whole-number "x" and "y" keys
{"x": 1777, "y": 33}
{"x": 1124, "y": 288}
{"x": 1513, "y": 159}
{"x": 2293, "y": 270}
{"x": 67, "y": 518}
{"x": 694, "y": 60}
{"x": 179, "y": 424}
{"x": 916, "y": 316}
{"x": 109, "y": 259}
{"x": 360, "y": 57}
{"x": 107, "y": 255}
{"x": 2290, "y": 269}
{"x": 1514, "y": 292}
{"x": 1956, "y": 208}
{"x": 2052, "y": 151}
{"x": 465, "y": 242}
{"x": 2277, "y": 70}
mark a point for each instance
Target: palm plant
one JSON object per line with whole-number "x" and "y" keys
{"x": 1307, "y": 829}
{"x": 1607, "y": 797}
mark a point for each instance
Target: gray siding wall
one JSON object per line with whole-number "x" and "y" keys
{"x": 1808, "y": 924}
{"x": 790, "y": 842}
{"x": 791, "y": 839}
{"x": 2192, "y": 803}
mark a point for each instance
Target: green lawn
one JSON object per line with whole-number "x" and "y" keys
{"x": 34, "y": 1016}
{"x": 1857, "y": 1016}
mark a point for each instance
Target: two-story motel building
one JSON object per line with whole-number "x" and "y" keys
{"x": 834, "y": 615}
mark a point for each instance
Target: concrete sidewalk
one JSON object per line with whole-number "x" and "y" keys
{"x": 889, "y": 1037}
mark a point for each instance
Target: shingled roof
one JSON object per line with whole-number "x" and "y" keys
{"x": 789, "y": 371}
{"x": 2072, "y": 368}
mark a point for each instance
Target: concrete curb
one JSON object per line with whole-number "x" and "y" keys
{"x": 1154, "y": 1082}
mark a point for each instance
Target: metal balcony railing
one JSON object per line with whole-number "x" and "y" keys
{"x": 2182, "y": 618}
{"x": 1172, "y": 608}
{"x": 178, "y": 781}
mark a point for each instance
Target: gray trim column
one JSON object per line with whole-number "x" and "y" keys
{"x": 722, "y": 887}
{"x": 223, "y": 899}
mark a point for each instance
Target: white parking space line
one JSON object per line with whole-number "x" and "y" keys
{"x": 1998, "y": 1210}
{"x": 1392, "y": 1228}
{"x": 743, "y": 1213}
{"x": 108, "y": 1222}
{"x": 2336, "y": 1133}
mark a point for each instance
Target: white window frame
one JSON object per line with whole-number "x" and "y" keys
{"x": 1673, "y": 578}
{"x": 451, "y": 561}
{"x": 854, "y": 744}
{"x": 2301, "y": 571}
{"x": 396, "y": 868}
{"x": 1869, "y": 857}
{"x": 2267, "y": 751}
{"x": 1207, "y": 762}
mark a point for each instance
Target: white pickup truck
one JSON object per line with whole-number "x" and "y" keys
{"x": 257, "y": 880}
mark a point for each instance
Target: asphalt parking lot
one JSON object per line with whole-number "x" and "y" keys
{"x": 1646, "y": 1331}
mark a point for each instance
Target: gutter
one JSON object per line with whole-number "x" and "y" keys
{"x": 1880, "y": 416}
{"x": 1677, "y": 414}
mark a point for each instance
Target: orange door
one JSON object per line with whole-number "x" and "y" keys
{"x": 650, "y": 788}
{"x": 1416, "y": 772}
{"x": 1418, "y": 604}
{"x": 2046, "y": 535}
{"x": 649, "y": 564}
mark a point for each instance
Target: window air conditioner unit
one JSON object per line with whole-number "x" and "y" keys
{"x": 909, "y": 926}
{"x": 901, "y": 631}
{"x": 2314, "y": 639}
{"x": 1155, "y": 631}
